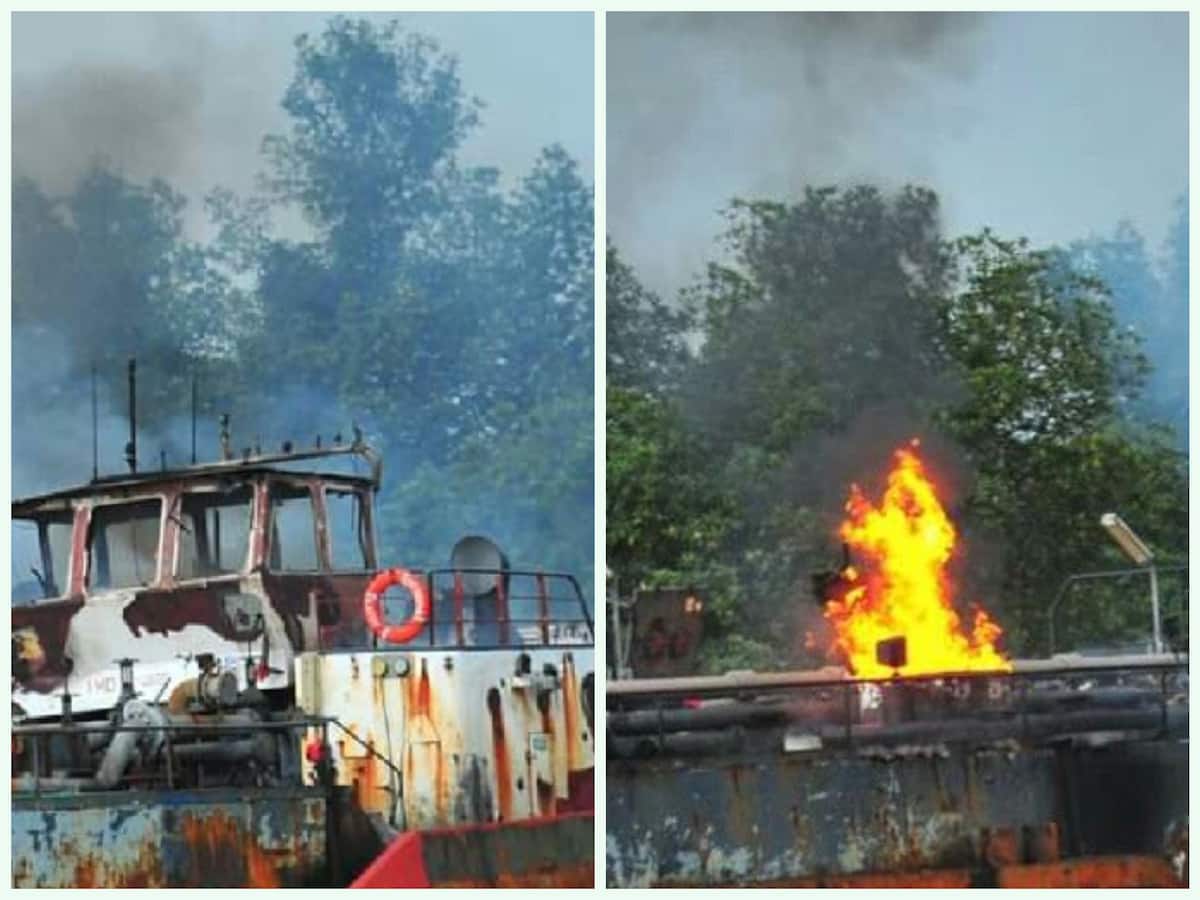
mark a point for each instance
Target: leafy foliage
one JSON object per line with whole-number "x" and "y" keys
{"x": 450, "y": 318}
{"x": 844, "y": 323}
{"x": 645, "y": 339}
{"x": 1150, "y": 298}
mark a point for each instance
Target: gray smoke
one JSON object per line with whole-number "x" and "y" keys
{"x": 705, "y": 106}
{"x": 141, "y": 119}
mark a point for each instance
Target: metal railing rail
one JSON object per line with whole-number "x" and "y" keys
{"x": 1072, "y": 580}
{"x": 651, "y": 709}
{"x": 40, "y": 731}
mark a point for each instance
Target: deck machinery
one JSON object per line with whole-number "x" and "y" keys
{"x": 198, "y": 700}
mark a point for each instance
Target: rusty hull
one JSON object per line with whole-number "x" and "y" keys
{"x": 923, "y": 816}
{"x": 447, "y": 737}
{"x": 213, "y": 838}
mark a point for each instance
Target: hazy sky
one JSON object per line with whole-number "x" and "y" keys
{"x": 189, "y": 96}
{"x": 1046, "y": 125}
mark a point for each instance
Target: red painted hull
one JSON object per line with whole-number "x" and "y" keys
{"x": 555, "y": 851}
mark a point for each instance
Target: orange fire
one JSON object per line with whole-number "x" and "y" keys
{"x": 901, "y": 588}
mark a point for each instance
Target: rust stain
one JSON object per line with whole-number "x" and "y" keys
{"x": 89, "y": 870}
{"x": 1093, "y": 872}
{"x": 500, "y": 754}
{"x": 218, "y": 844}
{"x": 365, "y": 779}
{"x": 560, "y": 875}
{"x": 1001, "y": 847}
{"x": 425, "y": 753}
{"x": 1045, "y": 843}
{"x": 570, "y": 688}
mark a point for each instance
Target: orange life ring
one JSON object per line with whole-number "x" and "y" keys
{"x": 373, "y": 605}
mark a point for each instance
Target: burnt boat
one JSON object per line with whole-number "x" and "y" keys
{"x": 1066, "y": 772}
{"x": 206, "y": 693}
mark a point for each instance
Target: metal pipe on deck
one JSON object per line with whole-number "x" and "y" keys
{"x": 976, "y": 731}
{"x": 751, "y": 682}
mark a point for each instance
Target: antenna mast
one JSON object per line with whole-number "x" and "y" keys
{"x": 193, "y": 418}
{"x": 131, "y": 447}
{"x": 95, "y": 430}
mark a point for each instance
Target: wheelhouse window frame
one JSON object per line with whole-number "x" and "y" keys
{"x": 101, "y": 506}
{"x": 363, "y": 535}
{"x": 182, "y": 525}
{"x": 273, "y": 540}
{"x": 55, "y": 582}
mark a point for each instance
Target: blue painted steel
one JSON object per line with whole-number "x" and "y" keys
{"x": 765, "y": 817}
{"x": 255, "y": 837}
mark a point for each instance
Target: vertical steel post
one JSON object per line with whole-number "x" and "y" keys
{"x": 1158, "y": 646}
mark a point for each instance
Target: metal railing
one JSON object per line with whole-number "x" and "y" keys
{"x": 1072, "y": 580}
{"x": 653, "y": 716}
{"x": 39, "y": 733}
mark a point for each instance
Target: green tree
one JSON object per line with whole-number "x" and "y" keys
{"x": 377, "y": 116}
{"x": 1149, "y": 297}
{"x": 1046, "y": 367}
{"x": 667, "y": 514}
{"x": 451, "y": 319}
{"x": 843, "y": 323}
{"x": 824, "y": 312}
{"x": 645, "y": 338}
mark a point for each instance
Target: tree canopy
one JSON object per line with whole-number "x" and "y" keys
{"x": 448, "y": 316}
{"x": 842, "y": 323}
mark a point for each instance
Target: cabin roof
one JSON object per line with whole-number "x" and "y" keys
{"x": 242, "y": 467}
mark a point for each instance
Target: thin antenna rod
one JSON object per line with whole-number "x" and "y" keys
{"x": 131, "y": 447}
{"x": 95, "y": 429}
{"x": 193, "y": 418}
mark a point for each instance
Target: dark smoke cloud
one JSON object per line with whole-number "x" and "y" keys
{"x": 142, "y": 120}
{"x": 138, "y": 121}
{"x": 758, "y": 104}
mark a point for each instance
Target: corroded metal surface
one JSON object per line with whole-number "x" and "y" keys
{"x": 271, "y": 838}
{"x": 442, "y": 738}
{"x": 809, "y": 818}
{"x": 71, "y": 642}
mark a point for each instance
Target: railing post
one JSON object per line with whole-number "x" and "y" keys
{"x": 502, "y": 609}
{"x": 458, "y": 607}
{"x": 543, "y": 607}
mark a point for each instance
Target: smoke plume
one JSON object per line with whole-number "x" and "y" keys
{"x": 759, "y": 104}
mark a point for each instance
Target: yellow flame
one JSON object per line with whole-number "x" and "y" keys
{"x": 901, "y": 588}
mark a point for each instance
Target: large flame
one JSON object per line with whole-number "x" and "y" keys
{"x": 901, "y": 588}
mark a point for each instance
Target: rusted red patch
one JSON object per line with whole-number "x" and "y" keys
{"x": 218, "y": 845}
{"x": 1092, "y": 872}
{"x": 571, "y": 713}
{"x": 500, "y": 754}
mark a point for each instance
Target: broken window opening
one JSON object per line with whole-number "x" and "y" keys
{"x": 293, "y": 529}
{"x": 214, "y": 531}
{"x": 347, "y": 530}
{"x": 41, "y": 558}
{"x": 123, "y": 544}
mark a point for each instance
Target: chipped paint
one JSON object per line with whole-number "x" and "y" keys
{"x": 719, "y": 821}
{"x": 463, "y": 728}
{"x": 182, "y": 839}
